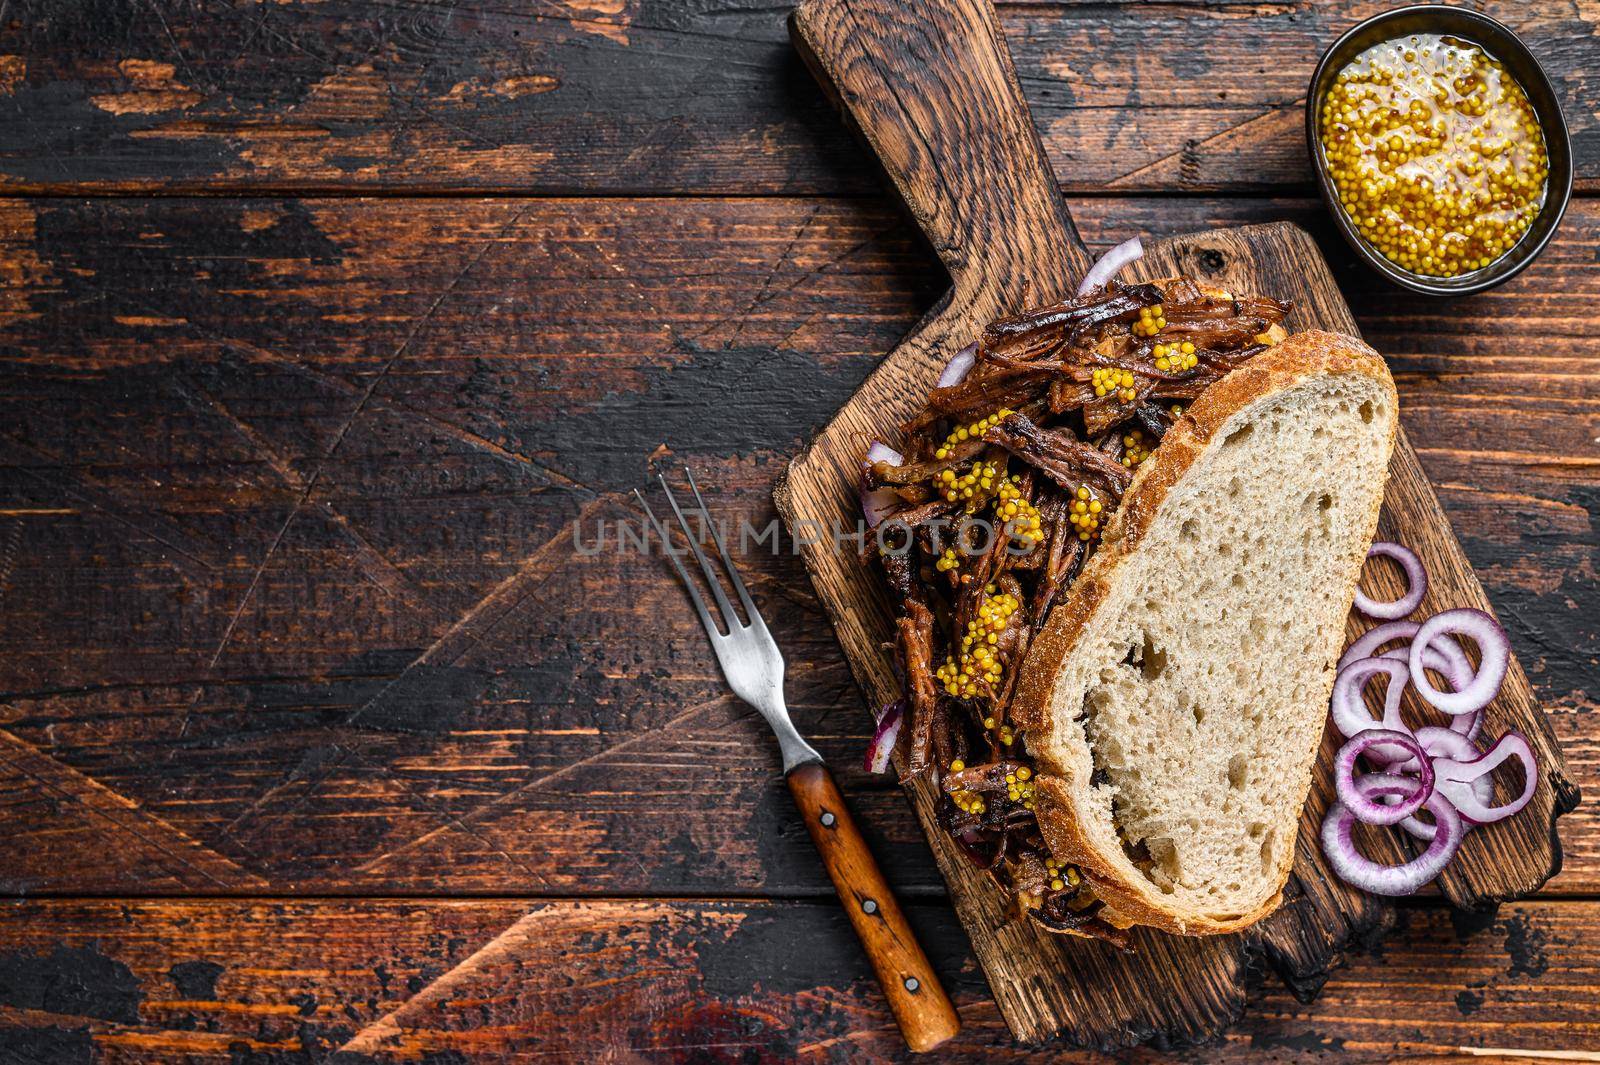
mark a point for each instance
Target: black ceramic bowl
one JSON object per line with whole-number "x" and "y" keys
{"x": 1503, "y": 45}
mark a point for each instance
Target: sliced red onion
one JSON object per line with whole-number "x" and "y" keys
{"x": 960, "y": 364}
{"x": 1457, "y": 670}
{"x": 1416, "y": 583}
{"x": 1446, "y": 743}
{"x": 1357, "y": 870}
{"x": 1110, "y": 265}
{"x": 1442, "y": 742}
{"x": 970, "y": 841}
{"x": 880, "y": 503}
{"x": 1366, "y": 809}
{"x": 1366, "y": 645}
{"x": 1457, "y": 777}
{"x": 881, "y": 452}
{"x": 1451, "y": 776}
{"x": 1439, "y": 743}
{"x": 1469, "y": 725}
{"x": 1455, "y": 666}
{"x": 1350, "y": 713}
{"x": 887, "y": 734}
{"x": 1493, "y": 647}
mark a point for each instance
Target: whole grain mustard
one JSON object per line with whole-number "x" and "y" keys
{"x": 1435, "y": 153}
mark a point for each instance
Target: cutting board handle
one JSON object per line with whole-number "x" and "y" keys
{"x": 930, "y": 85}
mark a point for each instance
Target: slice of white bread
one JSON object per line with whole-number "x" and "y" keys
{"x": 1175, "y": 701}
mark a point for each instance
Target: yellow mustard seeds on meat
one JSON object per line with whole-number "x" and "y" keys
{"x": 1436, "y": 154}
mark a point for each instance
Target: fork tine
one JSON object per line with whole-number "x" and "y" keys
{"x": 727, "y": 560}
{"x": 705, "y": 566}
{"x": 683, "y": 575}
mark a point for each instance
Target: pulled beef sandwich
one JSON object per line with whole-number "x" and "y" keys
{"x": 1121, "y": 695}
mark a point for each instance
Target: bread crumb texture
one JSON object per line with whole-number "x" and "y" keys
{"x": 1186, "y": 722}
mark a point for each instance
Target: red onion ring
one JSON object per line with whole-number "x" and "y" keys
{"x": 1457, "y": 670}
{"x": 1365, "y": 808}
{"x": 1445, "y": 743}
{"x": 879, "y": 503}
{"x": 1110, "y": 265}
{"x": 1366, "y": 645}
{"x": 1359, "y": 871}
{"x": 1442, "y": 742}
{"x": 1437, "y": 742}
{"x": 887, "y": 734}
{"x": 1349, "y": 709}
{"x": 1433, "y": 768}
{"x": 1444, "y": 656}
{"x": 955, "y": 371}
{"x": 1457, "y": 777}
{"x": 1493, "y": 646}
{"x": 1416, "y": 583}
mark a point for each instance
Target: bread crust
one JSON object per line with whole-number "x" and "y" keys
{"x": 1310, "y": 354}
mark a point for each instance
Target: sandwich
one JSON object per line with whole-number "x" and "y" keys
{"x": 1122, "y": 540}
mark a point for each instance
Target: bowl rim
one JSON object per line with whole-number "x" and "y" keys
{"x": 1552, "y": 122}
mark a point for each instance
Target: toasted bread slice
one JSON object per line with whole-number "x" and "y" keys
{"x": 1175, "y": 701}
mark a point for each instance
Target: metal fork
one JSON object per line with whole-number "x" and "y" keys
{"x": 753, "y": 666}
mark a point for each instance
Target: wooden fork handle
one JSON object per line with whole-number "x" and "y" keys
{"x": 921, "y": 1008}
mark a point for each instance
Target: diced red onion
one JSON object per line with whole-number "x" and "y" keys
{"x": 1416, "y": 583}
{"x": 1455, "y": 779}
{"x": 1110, "y": 265}
{"x": 887, "y": 734}
{"x": 1350, "y": 713}
{"x": 1366, "y": 809}
{"x": 880, "y": 503}
{"x": 960, "y": 364}
{"x": 1493, "y": 648}
{"x": 1357, "y": 870}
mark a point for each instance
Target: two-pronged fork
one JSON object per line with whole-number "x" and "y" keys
{"x": 753, "y": 666}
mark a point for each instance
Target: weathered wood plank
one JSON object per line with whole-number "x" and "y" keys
{"x": 285, "y": 544}
{"x": 643, "y": 97}
{"x": 137, "y": 981}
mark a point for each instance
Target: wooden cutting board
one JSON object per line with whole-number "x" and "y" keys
{"x": 930, "y": 86}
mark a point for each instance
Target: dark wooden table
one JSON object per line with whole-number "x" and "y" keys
{"x": 323, "y": 323}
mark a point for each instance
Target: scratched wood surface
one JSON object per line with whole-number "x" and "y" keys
{"x": 289, "y": 598}
{"x": 648, "y": 96}
{"x": 443, "y": 981}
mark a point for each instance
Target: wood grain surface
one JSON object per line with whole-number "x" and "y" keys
{"x": 653, "y": 96}
{"x": 290, "y": 605}
{"x": 281, "y": 981}
{"x": 109, "y": 456}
